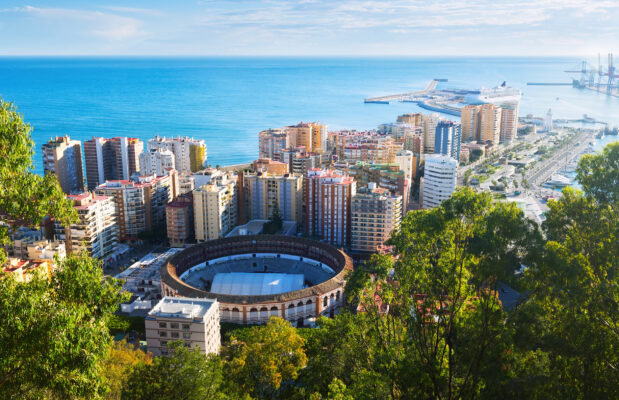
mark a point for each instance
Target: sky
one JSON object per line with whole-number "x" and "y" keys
{"x": 309, "y": 27}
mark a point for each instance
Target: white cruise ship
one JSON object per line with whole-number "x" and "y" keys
{"x": 557, "y": 180}
{"x": 498, "y": 95}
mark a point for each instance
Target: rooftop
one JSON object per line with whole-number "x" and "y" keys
{"x": 182, "y": 307}
{"x": 252, "y": 283}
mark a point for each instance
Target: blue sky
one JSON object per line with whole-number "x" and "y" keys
{"x": 309, "y": 27}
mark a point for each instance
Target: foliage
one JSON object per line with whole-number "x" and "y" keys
{"x": 121, "y": 358}
{"x": 475, "y": 155}
{"x": 599, "y": 174}
{"x": 25, "y": 197}
{"x": 185, "y": 374}
{"x": 53, "y": 333}
{"x": 262, "y": 359}
{"x": 275, "y": 223}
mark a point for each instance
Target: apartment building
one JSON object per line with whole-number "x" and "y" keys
{"x": 429, "y": 130}
{"x": 481, "y": 123}
{"x": 375, "y": 214}
{"x": 156, "y": 162}
{"x": 263, "y": 192}
{"x": 311, "y": 135}
{"x": 439, "y": 181}
{"x": 447, "y": 139}
{"x": 96, "y": 231}
{"x": 271, "y": 143}
{"x": 179, "y": 220}
{"x": 328, "y": 198}
{"x": 140, "y": 202}
{"x": 189, "y": 153}
{"x": 63, "y": 158}
{"x": 509, "y": 121}
{"x": 270, "y": 166}
{"x": 215, "y": 208}
{"x": 111, "y": 159}
{"x": 194, "y": 322}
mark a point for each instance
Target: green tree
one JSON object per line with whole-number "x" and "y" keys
{"x": 53, "y": 333}
{"x": 118, "y": 364}
{"x": 439, "y": 325}
{"x": 25, "y": 197}
{"x": 183, "y": 375}
{"x": 599, "y": 174}
{"x": 263, "y": 358}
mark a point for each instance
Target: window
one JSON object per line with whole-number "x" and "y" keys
{"x": 324, "y": 301}
{"x": 163, "y": 325}
{"x": 185, "y": 327}
{"x": 164, "y": 343}
{"x": 186, "y": 335}
{"x": 174, "y": 335}
{"x": 174, "y": 325}
{"x": 163, "y": 334}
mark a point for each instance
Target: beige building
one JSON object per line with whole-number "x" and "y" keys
{"x": 270, "y": 166}
{"x": 262, "y": 192}
{"x": 327, "y": 198}
{"x": 194, "y": 322}
{"x": 63, "y": 158}
{"x": 311, "y": 135}
{"x": 469, "y": 118}
{"x": 376, "y": 213}
{"x": 509, "y": 121}
{"x": 429, "y": 130}
{"x": 179, "y": 220}
{"x": 481, "y": 123}
{"x": 97, "y": 229}
{"x": 140, "y": 203}
{"x": 215, "y": 209}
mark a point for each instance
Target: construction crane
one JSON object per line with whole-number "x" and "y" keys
{"x": 605, "y": 76}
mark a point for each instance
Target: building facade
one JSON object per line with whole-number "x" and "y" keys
{"x": 271, "y": 142}
{"x": 97, "y": 230}
{"x": 439, "y": 181}
{"x": 157, "y": 162}
{"x": 194, "y": 322}
{"x": 376, "y": 213}
{"x": 448, "y": 138}
{"x": 263, "y": 192}
{"x": 63, "y": 158}
{"x": 140, "y": 203}
{"x": 179, "y": 220}
{"x": 215, "y": 209}
{"x": 189, "y": 154}
{"x": 111, "y": 159}
{"x": 270, "y": 166}
{"x": 328, "y": 198}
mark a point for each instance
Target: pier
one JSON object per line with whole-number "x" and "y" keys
{"x": 403, "y": 96}
{"x": 549, "y": 84}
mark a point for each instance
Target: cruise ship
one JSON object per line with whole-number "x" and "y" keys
{"x": 498, "y": 95}
{"x": 558, "y": 181}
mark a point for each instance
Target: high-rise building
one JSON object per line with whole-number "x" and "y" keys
{"x": 189, "y": 153}
{"x": 157, "y": 162}
{"x": 439, "y": 180}
{"x": 140, "y": 202}
{"x": 97, "y": 229}
{"x": 63, "y": 158}
{"x": 429, "y": 130}
{"x": 490, "y": 116}
{"x": 415, "y": 119}
{"x": 179, "y": 220}
{"x": 509, "y": 121}
{"x": 548, "y": 121}
{"x": 111, "y": 159}
{"x": 469, "y": 118}
{"x": 447, "y": 139}
{"x": 319, "y": 137}
{"x": 195, "y": 322}
{"x": 271, "y": 143}
{"x": 375, "y": 214}
{"x": 328, "y": 197}
{"x": 262, "y": 192}
{"x": 215, "y": 208}
{"x": 311, "y": 135}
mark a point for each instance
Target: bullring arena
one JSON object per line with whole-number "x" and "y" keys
{"x": 256, "y": 277}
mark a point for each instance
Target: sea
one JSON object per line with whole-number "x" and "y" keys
{"x": 227, "y": 100}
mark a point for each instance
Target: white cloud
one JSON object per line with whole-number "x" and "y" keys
{"x": 110, "y": 27}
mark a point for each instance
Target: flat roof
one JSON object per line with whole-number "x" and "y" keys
{"x": 181, "y": 307}
{"x": 251, "y": 284}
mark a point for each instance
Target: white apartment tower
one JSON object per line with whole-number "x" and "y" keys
{"x": 157, "y": 162}
{"x": 189, "y": 153}
{"x": 439, "y": 180}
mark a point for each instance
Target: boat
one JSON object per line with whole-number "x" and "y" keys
{"x": 557, "y": 180}
{"x": 499, "y": 95}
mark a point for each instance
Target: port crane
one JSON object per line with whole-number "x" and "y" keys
{"x": 606, "y": 76}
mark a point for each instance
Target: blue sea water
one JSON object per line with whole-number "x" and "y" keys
{"x": 227, "y": 101}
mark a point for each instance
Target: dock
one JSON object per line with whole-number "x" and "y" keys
{"x": 549, "y": 84}
{"x": 403, "y": 96}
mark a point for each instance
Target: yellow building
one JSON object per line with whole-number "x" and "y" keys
{"x": 319, "y": 137}
{"x": 489, "y": 123}
{"x": 469, "y": 117}
{"x": 262, "y": 192}
{"x": 197, "y": 156}
{"x": 215, "y": 209}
